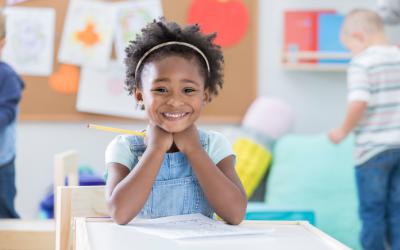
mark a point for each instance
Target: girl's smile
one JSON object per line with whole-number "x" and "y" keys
{"x": 172, "y": 116}
{"x": 172, "y": 91}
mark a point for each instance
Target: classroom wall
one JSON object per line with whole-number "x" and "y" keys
{"x": 318, "y": 99}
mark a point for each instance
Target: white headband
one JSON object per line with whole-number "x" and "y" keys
{"x": 172, "y": 43}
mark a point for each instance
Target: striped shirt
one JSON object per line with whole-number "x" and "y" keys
{"x": 374, "y": 77}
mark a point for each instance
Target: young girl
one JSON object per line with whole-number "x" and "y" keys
{"x": 176, "y": 168}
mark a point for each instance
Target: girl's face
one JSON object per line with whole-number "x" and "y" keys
{"x": 172, "y": 91}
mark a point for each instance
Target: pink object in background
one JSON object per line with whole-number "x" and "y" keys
{"x": 269, "y": 116}
{"x": 115, "y": 86}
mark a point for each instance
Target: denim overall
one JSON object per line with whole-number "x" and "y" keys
{"x": 175, "y": 190}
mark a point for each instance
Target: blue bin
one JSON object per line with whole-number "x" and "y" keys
{"x": 261, "y": 211}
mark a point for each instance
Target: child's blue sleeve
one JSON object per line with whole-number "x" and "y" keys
{"x": 10, "y": 94}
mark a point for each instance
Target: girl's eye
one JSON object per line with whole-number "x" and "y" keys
{"x": 188, "y": 90}
{"x": 160, "y": 90}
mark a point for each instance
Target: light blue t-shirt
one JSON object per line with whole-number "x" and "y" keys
{"x": 119, "y": 150}
{"x": 176, "y": 190}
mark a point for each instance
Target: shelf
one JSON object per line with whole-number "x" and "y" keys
{"x": 294, "y": 56}
{"x": 331, "y": 67}
{"x": 292, "y": 61}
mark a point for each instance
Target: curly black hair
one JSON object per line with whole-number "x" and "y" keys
{"x": 161, "y": 31}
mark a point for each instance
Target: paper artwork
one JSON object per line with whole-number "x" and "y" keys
{"x": 102, "y": 92}
{"x": 65, "y": 79}
{"x": 131, "y": 18}
{"x": 30, "y": 40}
{"x": 87, "y": 34}
{"x": 229, "y": 19}
{"x": 12, "y": 2}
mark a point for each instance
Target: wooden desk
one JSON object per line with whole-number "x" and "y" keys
{"x": 103, "y": 234}
{"x": 18, "y": 234}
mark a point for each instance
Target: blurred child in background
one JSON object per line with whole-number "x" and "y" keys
{"x": 10, "y": 94}
{"x": 374, "y": 114}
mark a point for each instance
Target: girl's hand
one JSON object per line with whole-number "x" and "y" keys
{"x": 187, "y": 140}
{"x": 158, "y": 139}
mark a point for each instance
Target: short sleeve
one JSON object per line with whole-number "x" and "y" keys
{"x": 118, "y": 151}
{"x": 219, "y": 147}
{"x": 358, "y": 84}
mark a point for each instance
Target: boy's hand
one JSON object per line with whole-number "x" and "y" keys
{"x": 337, "y": 135}
{"x": 187, "y": 140}
{"x": 158, "y": 139}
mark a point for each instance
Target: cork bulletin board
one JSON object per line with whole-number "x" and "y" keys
{"x": 41, "y": 103}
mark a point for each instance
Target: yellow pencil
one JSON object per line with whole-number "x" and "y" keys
{"x": 116, "y": 130}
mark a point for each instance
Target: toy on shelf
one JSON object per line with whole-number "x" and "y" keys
{"x": 312, "y": 41}
{"x": 329, "y": 37}
{"x": 301, "y": 31}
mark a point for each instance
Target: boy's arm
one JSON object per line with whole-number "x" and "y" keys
{"x": 359, "y": 94}
{"x": 353, "y": 116}
{"x": 10, "y": 94}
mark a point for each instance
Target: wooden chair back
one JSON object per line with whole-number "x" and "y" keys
{"x": 76, "y": 201}
{"x": 73, "y": 200}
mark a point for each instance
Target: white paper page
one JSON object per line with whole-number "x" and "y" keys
{"x": 190, "y": 226}
{"x": 11, "y": 2}
{"x": 87, "y": 34}
{"x": 30, "y": 40}
{"x": 131, "y": 17}
{"x": 102, "y": 92}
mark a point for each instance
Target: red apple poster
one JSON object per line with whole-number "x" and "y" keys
{"x": 229, "y": 18}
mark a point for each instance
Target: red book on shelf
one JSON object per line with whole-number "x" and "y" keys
{"x": 301, "y": 32}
